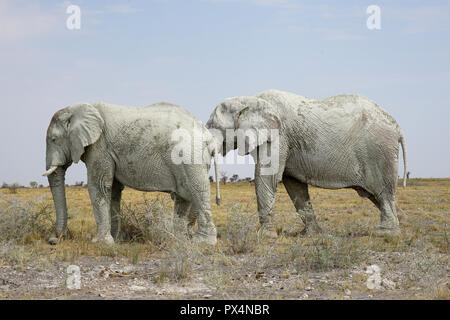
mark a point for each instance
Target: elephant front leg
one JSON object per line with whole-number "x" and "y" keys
{"x": 266, "y": 188}
{"x": 100, "y": 189}
{"x": 270, "y": 161}
{"x": 298, "y": 192}
{"x": 116, "y": 196}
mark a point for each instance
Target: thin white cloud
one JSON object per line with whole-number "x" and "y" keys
{"x": 329, "y": 33}
{"x": 22, "y": 19}
{"x": 420, "y": 19}
{"x": 121, "y": 8}
{"x": 266, "y": 3}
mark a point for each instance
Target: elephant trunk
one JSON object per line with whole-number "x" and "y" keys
{"x": 56, "y": 181}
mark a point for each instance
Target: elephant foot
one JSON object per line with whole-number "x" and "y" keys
{"x": 105, "y": 239}
{"x": 207, "y": 239}
{"x": 309, "y": 219}
{"x": 268, "y": 231}
{"x": 311, "y": 229}
{"x": 308, "y": 230}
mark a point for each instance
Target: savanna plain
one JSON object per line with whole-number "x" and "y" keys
{"x": 153, "y": 262}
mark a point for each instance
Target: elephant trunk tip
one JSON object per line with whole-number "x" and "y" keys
{"x": 218, "y": 201}
{"x": 53, "y": 240}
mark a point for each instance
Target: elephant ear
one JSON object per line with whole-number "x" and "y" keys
{"x": 273, "y": 122}
{"x": 84, "y": 125}
{"x": 223, "y": 116}
{"x": 260, "y": 118}
{"x": 258, "y": 115}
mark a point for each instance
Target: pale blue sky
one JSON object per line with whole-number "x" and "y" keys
{"x": 197, "y": 52}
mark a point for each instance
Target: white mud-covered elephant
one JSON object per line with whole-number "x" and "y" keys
{"x": 345, "y": 141}
{"x": 134, "y": 147}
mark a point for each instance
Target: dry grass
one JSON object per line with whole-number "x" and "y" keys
{"x": 419, "y": 255}
{"x": 325, "y": 252}
{"x": 240, "y": 233}
{"x": 24, "y": 221}
{"x": 148, "y": 222}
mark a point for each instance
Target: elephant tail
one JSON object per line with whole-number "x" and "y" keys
{"x": 216, "y": 171}
{"x": 403, "y": 143}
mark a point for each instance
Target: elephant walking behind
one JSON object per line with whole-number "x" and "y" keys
{"x": 345, "y": 141}
{"x": 134, "y": 147}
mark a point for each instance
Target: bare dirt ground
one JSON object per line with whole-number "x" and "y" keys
{"x": 155, "y": 264}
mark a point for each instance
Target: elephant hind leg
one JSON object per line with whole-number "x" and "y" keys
{"x": 197, "y": 190}
{"x": 298, "y": 192}
{"x": 181, "y": 216}
{"x": 201, "y": 210}
{"x": 386, "y": 204}
{"x": 389, "y": 220}
{"x": 363, "y": 193}
{"x": 192, "y": 218}
{"x": 206, "y": 231}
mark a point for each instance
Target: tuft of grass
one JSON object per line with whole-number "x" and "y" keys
{"x": 441, "y": 292}
{"x": 325, "y": 252}
{"x": 426, "y": 266}
{"x": 13, "y": 188}
{"x": 240, "y": 234}
{"x": 21, "y": 221}
{"x": 19, "y": 256}
{"x": 180, "y": 260}
{"x": 135, "y": 253}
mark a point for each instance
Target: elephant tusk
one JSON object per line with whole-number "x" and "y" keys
{"x": 50, "y": 171}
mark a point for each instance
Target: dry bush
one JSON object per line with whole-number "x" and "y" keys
{"x": 151, "y": 222}
{"x": 24, "y": 221}
{"x": 240, "y": 234}
{"x": 326, "y": 252}
{"x": 147, "y": 222}
{"x": 14, "y": 187}
{"x": 179, "y": 262}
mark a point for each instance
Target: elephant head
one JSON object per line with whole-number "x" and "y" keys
{"x": 248, "y": 113}
{"x": 221, "y": 120}
{"x": 70, "y": 131}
